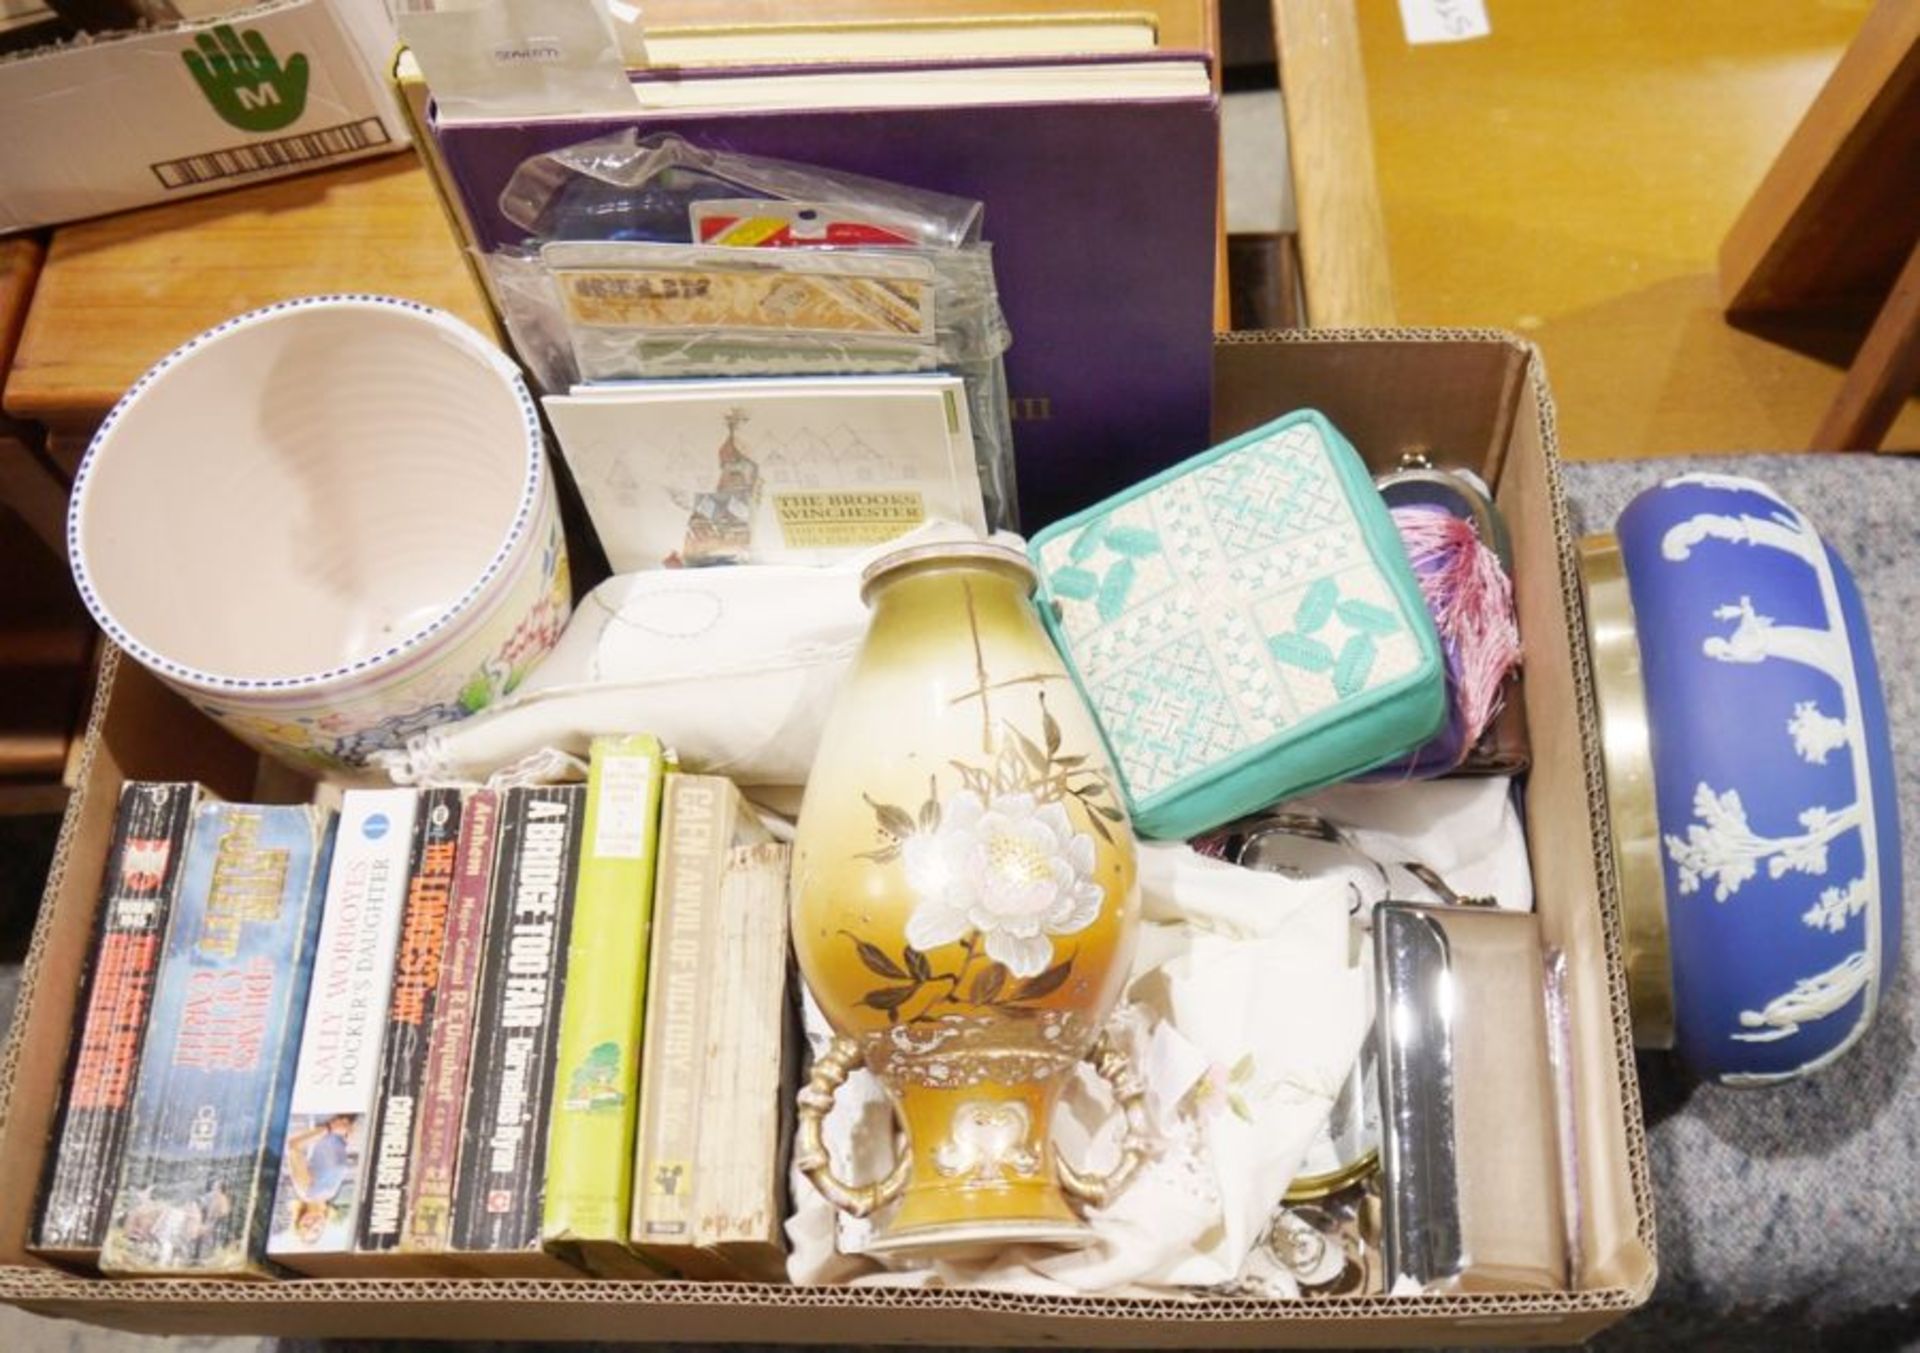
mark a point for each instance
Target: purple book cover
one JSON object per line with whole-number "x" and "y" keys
{"x": 1102, "y": 219}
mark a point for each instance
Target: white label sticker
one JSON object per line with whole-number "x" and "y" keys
{"x": 621, "y": 830}
{"x": 1444, "y": 20}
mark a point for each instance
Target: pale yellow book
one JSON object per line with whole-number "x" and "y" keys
{"x": 714, "y": 1080}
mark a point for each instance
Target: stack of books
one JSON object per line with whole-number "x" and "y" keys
{"x": 429, "y": 1035}
{"x": 1092, "y": 138}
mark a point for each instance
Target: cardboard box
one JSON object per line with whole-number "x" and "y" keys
{"x": 149, "y": 116}
{"x": 1477, "y": 398}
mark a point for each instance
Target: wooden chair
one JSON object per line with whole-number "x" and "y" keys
{"x": 1834, "y": 228}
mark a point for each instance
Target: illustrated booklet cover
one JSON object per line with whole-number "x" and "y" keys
{"x": 210, "y": 1111}
{"x": 681, "y": 474}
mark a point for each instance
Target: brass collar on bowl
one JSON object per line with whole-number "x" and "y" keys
{"x": 1627, "y": 755}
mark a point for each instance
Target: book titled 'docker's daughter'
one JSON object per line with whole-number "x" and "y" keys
{"x": 323, "y": 1174}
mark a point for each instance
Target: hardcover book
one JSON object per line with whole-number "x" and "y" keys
{"x": 499, "y": 1184}
{"x": 210, "y": 1109}
{"x": 684, "y": 473}
{"x": 1100, "y": 193}
{"x": 596, "y": 1086}
{"x": 323, "y": 1165}
{"x": 709, "y": 1165}
{"x": 428, "y": 1203}
{"x": 797, "y": 36}
{"x": 410, "y": 1014}
{"x": 136, "y": 897}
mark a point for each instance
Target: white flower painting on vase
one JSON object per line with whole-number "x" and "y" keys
{"x": 1011, "y": 869}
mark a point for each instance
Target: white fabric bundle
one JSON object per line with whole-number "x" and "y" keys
{"x": 733, "y": 668}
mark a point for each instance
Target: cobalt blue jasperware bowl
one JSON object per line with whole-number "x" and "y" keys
{"x": 1772, "y": 776}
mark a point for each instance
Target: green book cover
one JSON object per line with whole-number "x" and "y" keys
{"x": 590, "y": 1146}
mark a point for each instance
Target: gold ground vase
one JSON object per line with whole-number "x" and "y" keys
{"x": 964, "y": 907}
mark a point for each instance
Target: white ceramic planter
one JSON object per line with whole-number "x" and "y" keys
{"x": 329, "y": 523}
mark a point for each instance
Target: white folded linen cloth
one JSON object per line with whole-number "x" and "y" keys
{"x": 732, "y": 667}
{"x": 1468, "y": 831}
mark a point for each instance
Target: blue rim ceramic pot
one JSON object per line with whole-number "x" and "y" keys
{"x": 1751, "y": 779}
{"x": 328, "y": 523}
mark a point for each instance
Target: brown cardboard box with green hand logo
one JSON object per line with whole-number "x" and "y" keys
{"x": 174, "y": 112}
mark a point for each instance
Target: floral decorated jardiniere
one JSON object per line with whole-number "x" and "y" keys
{"x": 964, "y": 904}
{"x": 329, "y": 523}
{"x": 1761, "y": 859}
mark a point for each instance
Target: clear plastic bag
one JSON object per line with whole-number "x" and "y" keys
{"x": 631, "y": 187}
{"x": 608, "y": 288}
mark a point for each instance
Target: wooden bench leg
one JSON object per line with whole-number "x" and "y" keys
{"x": 29, "y": 486}
{"x": 1882, "y": 375}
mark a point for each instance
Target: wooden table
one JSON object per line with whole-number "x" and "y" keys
{"x": 117, "y": 294}
{"x": 1835, "y": 224}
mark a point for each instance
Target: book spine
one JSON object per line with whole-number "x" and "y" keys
{"x": 136, "y": 896}
{"x": 739, "y": 1186}
{"x": 323, "y": 1161}
{"x": 497, "y": 1197}
{"x": 435, "y": 1152}
{"x": 589, "y": 1192}
{"x": 410, "y": 1014}
{"x": 210, "y": 1106}
{"x": 696, "y": 825}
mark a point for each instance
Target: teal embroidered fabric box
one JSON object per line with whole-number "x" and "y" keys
{"x": 1245, "y": 626}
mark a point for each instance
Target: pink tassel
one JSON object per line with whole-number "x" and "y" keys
{"x": 1471, "y": 599}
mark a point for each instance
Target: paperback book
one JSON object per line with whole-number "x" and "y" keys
{"x": 596, "y": 1087}
{"x": 714, "y": 1080}
{"x": 210, "y": 1108}
{"x": 136, "y": 896}
{"x": 498, "y": 1191}
{"x": 323, "y": 1165}
{"x": 428, "y": 1203}
{"x": 410, "y": 1015}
